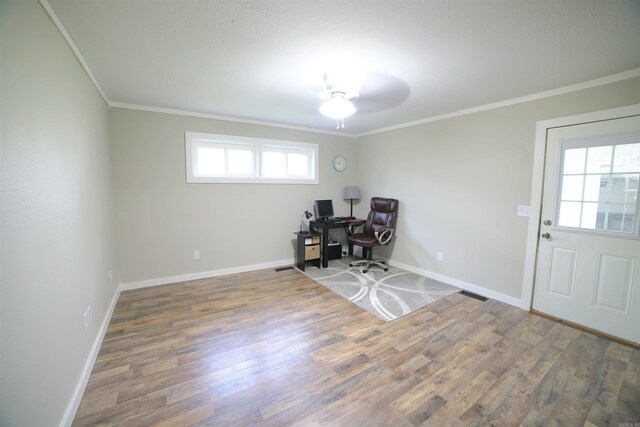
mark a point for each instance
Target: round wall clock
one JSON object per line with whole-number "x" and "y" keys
{"x": 339, "y": 163}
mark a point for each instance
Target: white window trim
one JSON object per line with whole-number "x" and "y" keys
{"x": 258, "y": 145}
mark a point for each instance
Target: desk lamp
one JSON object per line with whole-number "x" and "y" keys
{"x": 350, "y": 193}
{"x": 306, "y": 215}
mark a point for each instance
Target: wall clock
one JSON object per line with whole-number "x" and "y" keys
{"x": 339, "y": 163}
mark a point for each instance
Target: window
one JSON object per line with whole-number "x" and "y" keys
{"x": 600, "y": 188}
{"x": 231, "y": 159}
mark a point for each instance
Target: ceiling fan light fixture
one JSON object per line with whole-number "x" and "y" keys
{"x": 337, "y": 107}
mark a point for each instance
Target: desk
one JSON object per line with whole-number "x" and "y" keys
{"x": 324, "y": 227}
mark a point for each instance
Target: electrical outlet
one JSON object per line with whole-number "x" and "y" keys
{"x": 196, "y": 254}
{"x": 87, "y": 318}
{"x": 523, "y": 210}
{"x": 441, "y": 256}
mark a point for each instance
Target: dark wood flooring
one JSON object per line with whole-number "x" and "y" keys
{"x": 274, "y": 349}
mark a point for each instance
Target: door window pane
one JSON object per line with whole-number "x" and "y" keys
{"x": 627, "y": 158}
{"x": 624, "y": 188}
{"x": 569, "y": 214}
{"x": 599, "y": 159}
{"x": 593, "y": 186}
{"x": 615, "y": 217}
{"x": 574, "y": 160}
{"x": 632, "y": 188}
{"x": 598, "y": 198}
{"x": 628, "y": 218}
{"x": 572, "y": 187}
{"x": 589, "y": 216}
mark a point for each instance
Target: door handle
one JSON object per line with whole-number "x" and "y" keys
{"x": 545, "y": 236}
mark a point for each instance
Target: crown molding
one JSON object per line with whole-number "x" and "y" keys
{"x": 74, "y": 48}
{"x": 625, "y": 75}
{"x": 224, "y": 118}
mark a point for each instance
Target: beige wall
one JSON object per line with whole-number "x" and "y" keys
{"x": 57, "y": 236}
{"x": 460, "y": 181}
{"x": 161, "y": 219}
{"x": 63, "y": 153}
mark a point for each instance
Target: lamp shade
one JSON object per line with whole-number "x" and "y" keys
{"x": 351, "y": 193}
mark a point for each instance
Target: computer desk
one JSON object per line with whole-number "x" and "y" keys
{"x": 323, "y": 227}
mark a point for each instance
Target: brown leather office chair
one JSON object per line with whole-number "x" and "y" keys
{"x": 376, "y": 231}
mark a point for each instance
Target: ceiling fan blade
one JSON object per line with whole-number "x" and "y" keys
{"x": 381, "y": 91}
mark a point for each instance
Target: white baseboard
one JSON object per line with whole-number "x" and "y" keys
{"x": 72, "y": 408}
{"x": 203, "y": 275}
{"x": 459, "y": 284}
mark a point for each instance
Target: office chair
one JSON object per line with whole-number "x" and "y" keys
{"x": 376, "y": 231}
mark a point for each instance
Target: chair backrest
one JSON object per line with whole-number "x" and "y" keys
{"x": 382, "y": 215}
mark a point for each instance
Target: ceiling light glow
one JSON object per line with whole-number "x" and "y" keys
{"x": 337, "y": 107}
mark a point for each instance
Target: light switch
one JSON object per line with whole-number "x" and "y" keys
{"x": 523, "y": 210}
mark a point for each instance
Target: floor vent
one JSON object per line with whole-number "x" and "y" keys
{"x": 279, "y": 269}
{"x": 472, "y": 295}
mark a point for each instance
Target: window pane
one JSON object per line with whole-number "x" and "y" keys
{"x": 615, "y": 217}
{"x": 572, "y": 187}
{"x": 632, "y": 188}
{"x": 210, "y": 161}
{"x": 629, "y": 217}
{"x": 569, "y": 214}
{"x": 624, "y": 188}
{"x": 240, "y": 161}
{"x": 589, "y": 215}
{"x": 594, "y": 188}
{"x": 274, "y": 164}
{"x": 574, "y": 160}
{"x": 627, "y": 158}
{"x": 599, "y": 159}
{"x": 297, "y": 164}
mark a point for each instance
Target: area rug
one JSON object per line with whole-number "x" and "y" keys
{"x": 388, "y": 295}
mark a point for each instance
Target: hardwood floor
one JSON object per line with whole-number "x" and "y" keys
{"x": 276, "y": 349}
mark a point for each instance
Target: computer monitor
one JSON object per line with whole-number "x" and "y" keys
{"x": 324, "y": 209}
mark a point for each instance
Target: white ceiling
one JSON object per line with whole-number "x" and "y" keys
{"x": 264, "y": 60}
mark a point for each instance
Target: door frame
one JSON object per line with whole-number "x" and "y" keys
{"x": 531, "y": 253}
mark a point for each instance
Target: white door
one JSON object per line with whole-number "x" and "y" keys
{"x": 588, "y": 263}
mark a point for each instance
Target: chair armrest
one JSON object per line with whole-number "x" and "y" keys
{"x": 384, "y": 235}
{"x": 352, "y": 226}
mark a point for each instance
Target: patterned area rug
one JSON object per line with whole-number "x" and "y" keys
{"x": 388, "y": 295}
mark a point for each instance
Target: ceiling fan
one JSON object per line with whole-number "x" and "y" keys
{"x": 369, "y": 92}
{"x": 337, "y": 100}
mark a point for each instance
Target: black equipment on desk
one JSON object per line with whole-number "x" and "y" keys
{"x": 324, "y": 209}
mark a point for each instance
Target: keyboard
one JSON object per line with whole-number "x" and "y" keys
{"x": 331, "y": 220}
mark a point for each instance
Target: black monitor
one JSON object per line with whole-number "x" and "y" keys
{"x": 324, "y": 209}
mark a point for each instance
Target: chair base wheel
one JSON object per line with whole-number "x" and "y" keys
{"x": 350, "y": 265}
{"x": 364, "y": 271}
{"x": 386, "y": 269}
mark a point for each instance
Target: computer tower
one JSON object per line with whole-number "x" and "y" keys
{"x": 335, "y": 250}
